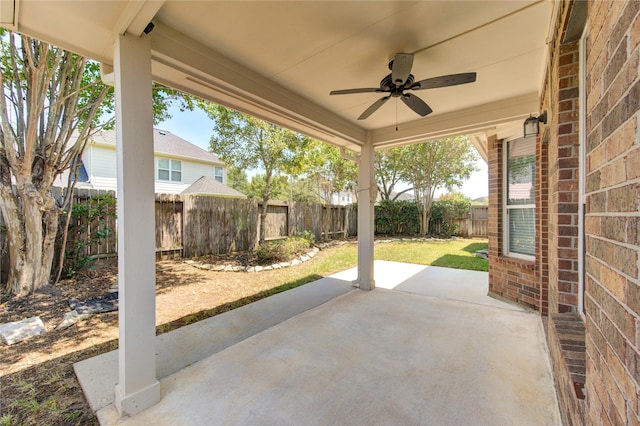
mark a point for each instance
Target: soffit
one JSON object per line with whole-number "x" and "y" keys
{"x": 279, "y": 60}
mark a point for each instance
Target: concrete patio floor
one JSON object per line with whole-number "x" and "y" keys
{"x": 414, "y": 351}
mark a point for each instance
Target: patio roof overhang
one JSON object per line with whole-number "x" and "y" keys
{"x": 279, "y": 60}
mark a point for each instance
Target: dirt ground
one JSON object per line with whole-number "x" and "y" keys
{"x": 37, "y": 383}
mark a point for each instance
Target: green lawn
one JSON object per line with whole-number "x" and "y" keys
{"x": 459, "y": 253}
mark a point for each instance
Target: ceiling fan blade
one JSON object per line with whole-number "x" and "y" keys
{"x": 363, "y": 90}
{"x": 416, "y": 104}
{"x": 373, "y": 108}
{"x": 401, "y": 68}
{"x": 444, "y": 81}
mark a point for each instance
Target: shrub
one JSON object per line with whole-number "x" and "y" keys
{"x": 444, "y": 213}
{"x": 397, "y": 218}
{"x": 282, "y": 250}
{"x": 306, "y": 235}
{"x": 95, "y": 216}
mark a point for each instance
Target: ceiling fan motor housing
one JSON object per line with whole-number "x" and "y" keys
{"x": 395, "y": 90}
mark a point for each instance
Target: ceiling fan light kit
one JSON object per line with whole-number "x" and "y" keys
{"x": 400, "y": 80}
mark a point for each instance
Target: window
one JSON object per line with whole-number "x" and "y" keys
{"x": 520, "y": 204}
{"x": 170, "y": 170}
{"x": 219, "y": 174}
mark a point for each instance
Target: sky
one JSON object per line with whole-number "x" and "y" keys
{"x": 196, "y": 127}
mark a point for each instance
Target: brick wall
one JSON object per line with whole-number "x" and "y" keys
{"x": 612, "y": 299}
{"x": 563, "y": 194}
{"x": 565, "y": 327}
{"x": 511, "y": 279}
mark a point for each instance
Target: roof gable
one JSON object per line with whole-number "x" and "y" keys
{"x": 206, "y": 185}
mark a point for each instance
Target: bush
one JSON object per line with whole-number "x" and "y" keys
{"x": 444, "y": 214}
{"x": 93, "y": 215}
{"x": 397, "y": 218}
{"x": 306, "y": 235}
{"x": 282, "y": 250}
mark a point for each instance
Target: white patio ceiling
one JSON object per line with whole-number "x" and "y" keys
{"x": 280, "y": 60}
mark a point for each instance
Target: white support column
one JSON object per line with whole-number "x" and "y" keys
{"x": 137, "y": 387}
{"x": 367, "y": 192}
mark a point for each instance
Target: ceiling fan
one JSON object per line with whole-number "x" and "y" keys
{"x": 400, "y": 80}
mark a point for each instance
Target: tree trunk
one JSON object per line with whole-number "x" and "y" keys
{"x": 263, "y": 209}
{"x": 32, "y": 225}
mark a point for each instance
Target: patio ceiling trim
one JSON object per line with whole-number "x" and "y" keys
{"x": 187, "y": 65}
{"x": 478, "y": 119}
{"x": 136, "y": 16}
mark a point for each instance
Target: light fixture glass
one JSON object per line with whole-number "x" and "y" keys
{"x": 532, "y": 124}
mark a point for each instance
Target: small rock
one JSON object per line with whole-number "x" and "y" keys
{"x": 295, "y": 262}
{"x": 228, "y": 268}
{"x": 484, "y": 254}
{"x": 71, "y": 318}
{"x": 304, "y": 258}
{"x": 238, "y": 268}
{"x": 259, "y": 268}
{"x": 17, "y": 331}
{"x": 276, "y": 266}
{"x": 312, "y": 254}
{"x": 190, "y": 262}
{"x": 268, "y": 268}
{"x": 250, "y": 269}
{"x": 206, "y": 266}
{"x": 217, "y": 268}
{"x": 285, "y": 264}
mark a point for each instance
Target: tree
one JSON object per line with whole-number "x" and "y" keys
{"x": 443, "y": 163}
{"x": 248, "y": 143}
{"x": 331, "y": 171}
{"x": 53, "y": 101}
{"x": 238, "y": 180}
{"x": 389, "y": 164}
{"x": 279, "y": 190}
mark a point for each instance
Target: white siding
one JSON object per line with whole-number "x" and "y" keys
{"x": 191, "y": 172}
{"x": 100, "y": 163}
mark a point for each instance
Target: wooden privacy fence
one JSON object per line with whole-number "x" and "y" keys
{"x": 190, "y": 226}
{"x": 475, "y": 224}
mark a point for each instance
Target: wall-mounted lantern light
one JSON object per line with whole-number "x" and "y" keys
{"x": 532, "y": 124}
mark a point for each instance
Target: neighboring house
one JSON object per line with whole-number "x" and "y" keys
{"x": 178, "y": 164}
{"x": 405, "y": 196}
{"x": 342, "y": 198}
{"x": 207, "y": 185}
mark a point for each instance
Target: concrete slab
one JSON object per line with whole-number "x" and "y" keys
{"x": 187, "y": 345}
{"x": 380, "y": 357}
{"x": 409, "y": 356}
{"x": 435, "y": 281}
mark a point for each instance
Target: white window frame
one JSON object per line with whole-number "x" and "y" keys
{"x": 215, "y": 174}
{"x": 171, "y": 169}
{"x": 506, "y": 207}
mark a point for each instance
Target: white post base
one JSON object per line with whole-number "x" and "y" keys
{"x": 133, "y": 404}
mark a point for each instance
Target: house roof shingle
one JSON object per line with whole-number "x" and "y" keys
{"x": 165, "y": 142}
{"x": 207, "y": 185}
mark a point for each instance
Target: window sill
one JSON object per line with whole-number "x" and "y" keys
{"x": 527, "y": 263}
